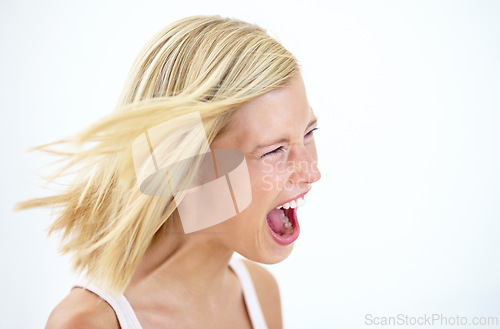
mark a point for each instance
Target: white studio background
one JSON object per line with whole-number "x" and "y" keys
{"x": 406, "y": 217}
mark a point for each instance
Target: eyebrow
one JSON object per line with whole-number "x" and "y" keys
{"x": 284, "y": 140}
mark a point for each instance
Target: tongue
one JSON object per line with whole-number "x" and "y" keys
{"x": 275, "y": 220}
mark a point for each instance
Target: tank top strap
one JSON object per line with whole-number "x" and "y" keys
{"x": 124, "y": 312}
{"x": 128, "y": 319}
{"x": 249, "y": 294}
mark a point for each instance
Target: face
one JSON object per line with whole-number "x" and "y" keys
{"x": 275, "y": 133}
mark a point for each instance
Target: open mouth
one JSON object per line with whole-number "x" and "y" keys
{"x": 283, "y": 223}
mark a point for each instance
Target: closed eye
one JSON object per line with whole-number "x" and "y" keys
{"x": 311, "y": 132}
{"x": 275, "y": 151}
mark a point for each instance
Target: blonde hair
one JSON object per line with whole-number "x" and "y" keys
{"x": 205, "y": 64}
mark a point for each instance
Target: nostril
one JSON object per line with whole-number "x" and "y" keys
{"x": 311, "y": 172}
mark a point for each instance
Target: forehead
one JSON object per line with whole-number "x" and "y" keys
{"x": 284, "y": 112}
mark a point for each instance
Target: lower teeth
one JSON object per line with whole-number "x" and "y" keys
{"x": 288, "y": 229}
{"x": 287, "y": 225}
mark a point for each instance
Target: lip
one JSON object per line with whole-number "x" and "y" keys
{"x": 285, "y": 241}
{"x": 294, "y": 198}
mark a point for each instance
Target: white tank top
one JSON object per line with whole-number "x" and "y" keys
{"x": 128, "y": 320}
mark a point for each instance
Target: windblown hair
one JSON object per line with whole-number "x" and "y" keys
{"x": 204, "y": 64}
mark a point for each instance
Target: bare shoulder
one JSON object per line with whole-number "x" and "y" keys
{"x": 82, "y": 309}
{"x": 268, "y": 293}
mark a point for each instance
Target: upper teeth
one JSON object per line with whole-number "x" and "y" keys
{"x": 299, "y": 202}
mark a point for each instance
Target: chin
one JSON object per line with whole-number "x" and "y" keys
{"x": 269, "y": 247}
{"x": 271, "y": 241}
{"x": 269, "y": 257}
{"x": 279, "y": 256}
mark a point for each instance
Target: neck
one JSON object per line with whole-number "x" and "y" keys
{"x": 193, "y": 267}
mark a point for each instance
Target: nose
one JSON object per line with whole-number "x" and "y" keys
{"x": 305, "y": 166}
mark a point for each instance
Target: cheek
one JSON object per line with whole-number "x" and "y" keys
{"x": 268, "y": 176}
